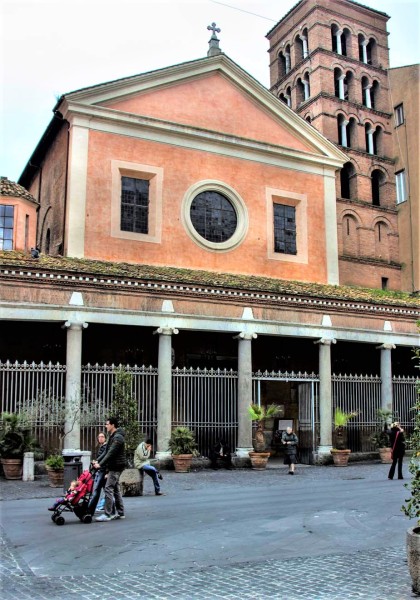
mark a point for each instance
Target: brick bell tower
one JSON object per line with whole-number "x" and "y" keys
{"x": 328, "y": 63}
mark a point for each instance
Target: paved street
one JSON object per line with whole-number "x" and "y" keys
{"x": 326, "y": 533}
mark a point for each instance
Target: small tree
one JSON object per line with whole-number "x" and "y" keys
{"x": 341, "y": 419}
{"x": 411, "y": 508}
{"x": 125, "y": 407}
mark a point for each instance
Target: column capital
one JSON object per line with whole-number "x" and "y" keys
{"x": 245, "y": 336}
{"x": 326, "y": 341}
{"x": 75, "y": 325}
{"x": 166, "y": 331}
{"x": 386, "y": 347}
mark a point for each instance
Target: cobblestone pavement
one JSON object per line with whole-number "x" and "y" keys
{"x": 374, "y": 574}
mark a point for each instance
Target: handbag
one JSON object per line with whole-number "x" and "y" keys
{"x": 393, "y": 447}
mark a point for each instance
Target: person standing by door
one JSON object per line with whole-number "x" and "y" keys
{"x": 290, "y": 441}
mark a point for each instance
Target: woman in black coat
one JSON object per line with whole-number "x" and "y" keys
{"x": 397, "y": 439}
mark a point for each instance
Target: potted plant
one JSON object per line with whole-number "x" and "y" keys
{"x": 259, "y": 457}
{"x": 15, "y": 440}
{"x": 55, "y": 470}
{"x": 183, "y": 447}
{"x": 380, "y": 439}
{"x": 340, "y": 452}
{"x": 411, "y": 508}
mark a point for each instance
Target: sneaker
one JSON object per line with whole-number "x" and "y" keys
{"x": 51, "y": 508}
{"x": 104, "y": 517}
{"x": 159, "y": 494}
{"x": 122, "y": 516}
{"x": 160, "y": 476}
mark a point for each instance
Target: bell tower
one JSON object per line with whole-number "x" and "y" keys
{"x": 329, "y": 62}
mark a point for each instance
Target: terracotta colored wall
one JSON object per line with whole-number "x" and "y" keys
{"x": 22, "y": 209}
{"x": 182, "y": 168}
{"x": 216, "y": 105}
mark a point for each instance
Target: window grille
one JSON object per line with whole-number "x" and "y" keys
{"x": 6, "y": 226}
{"x": 134, "y": 205}
{"x": 284, "y": 229}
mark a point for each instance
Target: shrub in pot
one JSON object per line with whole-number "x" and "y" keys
{"x": 340, "y": 452}
{"x": 260, "y": 456}
{"x": 183, "y": 447}
{"x": 411, "y": 508}
{"x": 380, "y": 438}
{"x": 15, "y": 440}
{"x": 55, "y": 470}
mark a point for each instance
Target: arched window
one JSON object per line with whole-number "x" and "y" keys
{"x": 339, "y": 40}
{"x": 339, "y": 83}
{"x": 373, "y": 138}
{"x": 377, "y": 180}
{"x": 301, "y": 46}
{"x": 346, "y": 131}
{"x": 381, "y": 240}
{"x": 371, "y": 52}
{"x": 348, "y": 181}
{"x": 287, "y": 58}
{"x": 350, "y": 236}
{"x": 47, "y": 241}
{"x": 308, "y": 118}
{"x": 282, "y": 65}
{"x": 374, "y": 92}
{"x": 303, "y": 89}
{"x": 366, "y": 92}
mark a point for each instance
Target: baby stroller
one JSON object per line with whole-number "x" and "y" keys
{"x": 76, "y": 503}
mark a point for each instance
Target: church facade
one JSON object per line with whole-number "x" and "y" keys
{"x": 188, "y": 218}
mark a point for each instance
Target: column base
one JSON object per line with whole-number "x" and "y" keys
{"x": 163, "y": 455}
{"x": 243, "y": 452}
{"x": 322, "y": 455}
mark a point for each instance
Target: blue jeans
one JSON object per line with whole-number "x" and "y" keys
{"x": 152, "y": 472}
{"x": 98, "y": 484}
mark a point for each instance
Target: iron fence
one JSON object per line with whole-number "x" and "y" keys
{"x": 203, "y": 399}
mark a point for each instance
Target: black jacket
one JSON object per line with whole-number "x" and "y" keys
{"x": 101, "y": 454}
{"x": 399, "y": 449}
{"x": 114, "y": 459}
{"x": 293, "y": 439}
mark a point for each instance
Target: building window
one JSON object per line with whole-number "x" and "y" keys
{"x": 6, "y": 226}
{"x": 213, "y": 216}
{"x": 399, "y": 115}
{"x": 284, "y": 229}
{"x": 134, "y": 205}
{"x": 287, "y": 226}
{"x": 401, "y": 187}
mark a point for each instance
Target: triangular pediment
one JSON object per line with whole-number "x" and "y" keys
{"x": 213, "y": 95}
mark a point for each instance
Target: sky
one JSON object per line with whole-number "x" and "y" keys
{"x": 51, "y": 47}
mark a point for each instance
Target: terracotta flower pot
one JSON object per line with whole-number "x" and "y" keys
{"x": 413, "y": 556}
{"x": 385, "y": 455}
{"x": 259, "y": 460}
{"x": 340, "y": 457}
{"x": 55, "y": 476}
{"x": 12, "y": 467}
{"x": 182, "y": 462}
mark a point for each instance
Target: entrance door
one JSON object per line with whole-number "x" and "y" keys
{"x": 306, "y": 430}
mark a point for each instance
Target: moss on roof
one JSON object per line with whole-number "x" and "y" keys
{"x": 181, "y": 276}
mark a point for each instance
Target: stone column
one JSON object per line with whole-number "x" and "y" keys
{"x": 386, "y": 375}
{"x": 73, "y": 384}
{"x": 325, "y": 396}
{"x": 306, "y": 90}
{"x": 341, "y": 86}
{"x": 288, "y": 61}
{"x": 343, "y": 127}
{"x": 364, "y": 50}
{"x": 244, "y": 393}
{"x": 368, "y": 98}
{"x": 305, "y": 46}
{"x": 338, "y": 40}
{"x": 371, "y": 148}
{"x": 164, "y": 391}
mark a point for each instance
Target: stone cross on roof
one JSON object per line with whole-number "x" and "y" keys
{"x": 213, "y": 42}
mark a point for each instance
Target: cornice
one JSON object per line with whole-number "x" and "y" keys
{"x": 188, "y": 291}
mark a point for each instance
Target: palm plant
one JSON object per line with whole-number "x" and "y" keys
{"x": 15, "y": 436}
{"x": 259, "y": 414}
{"x": 341, "y": 419}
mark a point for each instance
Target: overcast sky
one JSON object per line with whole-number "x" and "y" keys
{"x": 50, "y": 47}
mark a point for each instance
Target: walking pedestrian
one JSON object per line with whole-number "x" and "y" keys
{"x": 99, "y": 481}
{"x": 142, "y": 463}
{"x": 114, "y": 461}
{"x": 290, "y": 440}
{"x": 397, "y": 439}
